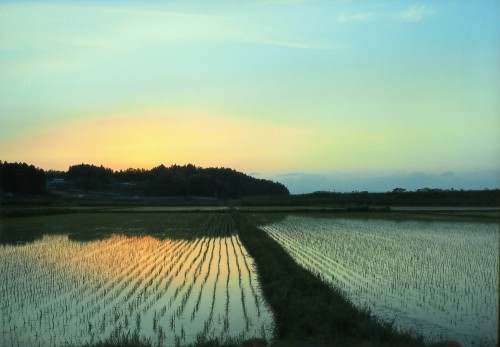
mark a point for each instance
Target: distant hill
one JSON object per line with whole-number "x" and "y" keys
{"x": 179, "y": 181}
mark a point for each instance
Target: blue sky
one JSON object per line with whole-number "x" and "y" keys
{"x": 312, "y": 87}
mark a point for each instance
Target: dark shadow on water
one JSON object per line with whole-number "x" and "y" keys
{"x": 89, "y": 227}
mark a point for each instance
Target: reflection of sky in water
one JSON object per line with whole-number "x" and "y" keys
{"x": 435, "y": 278}
{"x": 59, "y": 290}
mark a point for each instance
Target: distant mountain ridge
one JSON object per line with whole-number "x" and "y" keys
{"x": 187, "y": 180}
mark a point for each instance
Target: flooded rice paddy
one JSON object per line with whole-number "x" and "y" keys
{"x": 438, "y": 279}
{"x": 169, "y": 290}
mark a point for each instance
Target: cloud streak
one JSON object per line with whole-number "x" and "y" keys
{"x": 411, "y": 14}
{"x": 357, "y": 17}
{"x": 414, "y": 14}
{"x": 292, "y": 44}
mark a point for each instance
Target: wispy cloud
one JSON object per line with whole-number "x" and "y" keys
{"x": 414, "y": 14}
{"x": 358, "y": 17}
{"x": 290, "y": 44}
{"x": 169, "y": 26}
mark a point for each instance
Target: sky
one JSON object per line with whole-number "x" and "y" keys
{"x": 319, "y": 95}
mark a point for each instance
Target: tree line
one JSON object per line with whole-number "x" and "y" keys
{"x": 419, "y": 197}
{"x": 187, "y": 180}
{"x": 396, "y": 197}
{"x": 21, "y": 178}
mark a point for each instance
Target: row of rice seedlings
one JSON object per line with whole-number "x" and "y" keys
{"x": 209, "y": 299}
{"x": 180, "y": 263}
{"x": 314, "y": 260}
{"x": 41, "y": 315}
{"x": 228, "y": 252}
{"x": 55, "y": 273}
{"x": 204, "y": 281}
{"x": 422, "y": 270}
{"x": 139, "y": 293}
{"x": 251, "y": 307}
{"x": 45, "y": 313}
{"x": 208, "y": 322}
{"x": 407, "y": 266}
{"x": 251, "y": 272}
{"x": 188, "y": 275}
{"x": 242, "y": 290}
{"x": 226, "y": 318}
{"x": 173, "y": 319}
{"x": 164, "y": 269}
{"x": 127, "y": 289}
{"x": 39, "y": 272}
{"x": 157, "y": 295}
{"x": 133, "y": 297}
{"x": 52, "y": 289}
{"x": 124, "y": 287}
{"x": 195, "y": 304}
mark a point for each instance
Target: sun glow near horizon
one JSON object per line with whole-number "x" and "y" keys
{"x": 150, "y": 138}
{"x": 153, "y": 136}
{"x": 272, "y": 87}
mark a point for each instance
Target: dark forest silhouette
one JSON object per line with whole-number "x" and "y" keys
{"x": 21, "y": 178}
{"x": 187, "y": 180}
{"x": 396, "y": 197}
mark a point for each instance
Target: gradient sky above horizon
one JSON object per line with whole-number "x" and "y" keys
{"x": 259, "y": 86}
